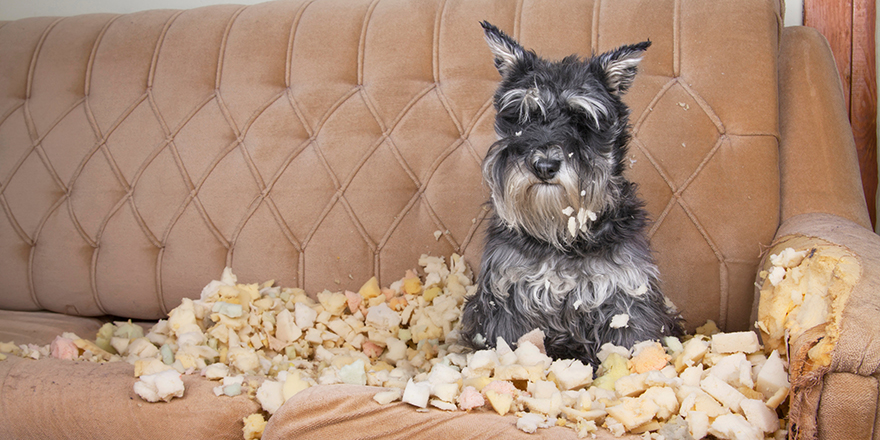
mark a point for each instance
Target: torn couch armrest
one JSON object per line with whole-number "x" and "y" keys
{"x": 823, "y": 316}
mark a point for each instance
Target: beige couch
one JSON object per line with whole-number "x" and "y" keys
{"x": 321, "y": 142}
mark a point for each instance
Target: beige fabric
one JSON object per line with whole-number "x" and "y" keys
{"x": 58, "y": 399}
{"x": 848, "y": 409}
{"x": 319, "y": 143}
{"x": 42, "y": 327}
{"x": 815, "y": 144}
{"x": 349, "y": 412}
{"x": 819, "y": 397}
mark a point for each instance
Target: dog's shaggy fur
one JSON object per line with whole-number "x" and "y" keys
{"x": 565, "y": 248}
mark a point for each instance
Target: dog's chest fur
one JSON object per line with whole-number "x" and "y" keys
{"x": 550, "y": 282}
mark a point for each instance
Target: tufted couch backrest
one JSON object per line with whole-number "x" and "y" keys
{"x": 321, "y": 142}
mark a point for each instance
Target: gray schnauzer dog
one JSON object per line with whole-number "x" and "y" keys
{"x": 566, "y": 250}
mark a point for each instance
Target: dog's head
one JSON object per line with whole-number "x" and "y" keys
{"x": 563, "y": 130}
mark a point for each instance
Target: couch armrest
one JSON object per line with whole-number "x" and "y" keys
{"x": 818, "y": 162}
{"x": 833, "y": 393}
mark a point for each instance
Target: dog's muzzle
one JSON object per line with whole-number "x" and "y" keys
{"x": 545, "y": 164}
{"x": 546, "y": 169}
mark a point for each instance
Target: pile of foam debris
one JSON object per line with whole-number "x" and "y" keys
{"x": 271, "y": 342}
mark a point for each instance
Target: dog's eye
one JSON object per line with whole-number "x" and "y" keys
{"x": 590, "y": 108}
{"x": 509, "y": 122}
{"x": 523, "y": 105}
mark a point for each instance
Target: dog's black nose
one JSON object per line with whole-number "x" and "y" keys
{"x": 546, "y": 168}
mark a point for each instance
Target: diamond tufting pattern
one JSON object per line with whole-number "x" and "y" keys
{"x": 320, "y": 142}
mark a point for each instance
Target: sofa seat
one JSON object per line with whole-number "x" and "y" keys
{"x": 53, "y": 398}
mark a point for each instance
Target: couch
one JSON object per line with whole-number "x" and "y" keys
{"x": 319, "y": 143}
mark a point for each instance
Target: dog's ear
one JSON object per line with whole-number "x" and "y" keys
{"x": 508, "y": 53}
{"x": 620, "y": 65}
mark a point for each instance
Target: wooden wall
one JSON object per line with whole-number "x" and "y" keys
{"x": 849, "y": 27}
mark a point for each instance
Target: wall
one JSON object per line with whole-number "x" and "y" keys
{"x": 794, "y": 12}
{"x": 15, "y": 9}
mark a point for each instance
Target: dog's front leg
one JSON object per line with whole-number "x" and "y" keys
{"x": 486, "y": 317}
{"x": 626, "y": 319}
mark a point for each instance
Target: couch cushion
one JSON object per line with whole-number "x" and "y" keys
{"x": 42, "y": 327}
{"x": 346, "y": 411}
{"x": 58, "y": 399}
{"x": 320, "y": 143}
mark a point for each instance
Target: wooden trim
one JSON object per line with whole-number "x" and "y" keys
{"x": 863, "y": 98}
{"x": 849, "y": 27}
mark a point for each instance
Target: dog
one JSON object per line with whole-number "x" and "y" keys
{"x": 565, "y": 249}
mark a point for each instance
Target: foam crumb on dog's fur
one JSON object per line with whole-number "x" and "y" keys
{"x": 619, "y": 321}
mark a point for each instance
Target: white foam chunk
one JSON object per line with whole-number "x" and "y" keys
{"x": 759, "y": 415}
{"x": 734, "y": 427}
{"x": 164, "y": 385}
{"x": 417, "y": 393}
{"x": 745, "y": 342}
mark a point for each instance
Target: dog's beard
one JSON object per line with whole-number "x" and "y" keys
{"x": 544, "y": 210}
{"x": 537, "y": 208}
